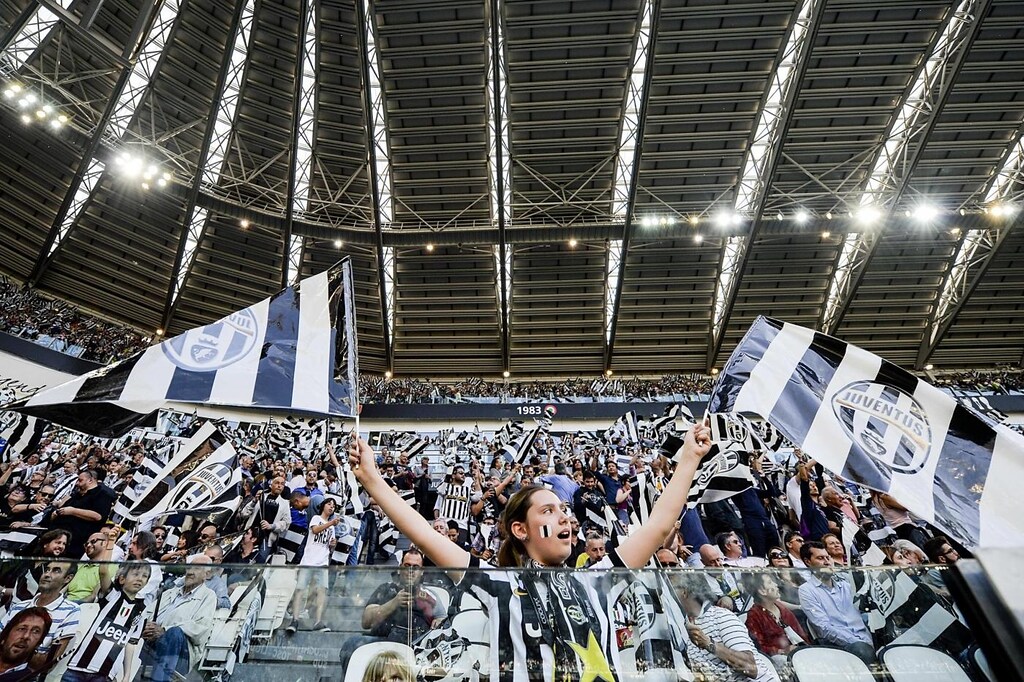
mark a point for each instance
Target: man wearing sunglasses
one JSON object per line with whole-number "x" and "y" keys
{"x": 31, "y": 513}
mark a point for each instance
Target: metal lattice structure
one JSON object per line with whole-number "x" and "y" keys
{"x": 539, "y": 188}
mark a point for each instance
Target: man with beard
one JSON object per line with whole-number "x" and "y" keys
{"x": 18, "y": 641}
{"x": 588, "y": 498}
{"x": 64, "y": 613}
{"x": 84, "y": 512}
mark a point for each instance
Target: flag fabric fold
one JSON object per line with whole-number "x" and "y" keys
{"x": 876, "y": 424}
{"x": 203, "y": 478}
{"x": 294, "y": 351}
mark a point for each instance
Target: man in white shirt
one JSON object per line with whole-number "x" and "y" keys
{"x": 175, "y": 641}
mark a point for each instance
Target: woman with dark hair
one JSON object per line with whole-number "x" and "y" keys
{"x": 21, "y": 578}
{"x": 545, "y": 625}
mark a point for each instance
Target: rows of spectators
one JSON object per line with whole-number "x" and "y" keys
{"x": 59, "y": 325}
{"x": 672, "y": 387}
{"x": 796, "y": 517}
{"x": 677, "y": 387}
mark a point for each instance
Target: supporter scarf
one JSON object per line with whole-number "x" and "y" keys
{"x": 569, "y": 625}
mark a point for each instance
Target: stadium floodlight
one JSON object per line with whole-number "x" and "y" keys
{"x": 868, "y": 215}
{"x": 925, "y": 213}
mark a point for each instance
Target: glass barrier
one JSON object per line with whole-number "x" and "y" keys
{"x": 202, "y": 621}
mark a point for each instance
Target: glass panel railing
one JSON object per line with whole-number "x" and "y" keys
{"x": 200, "y": 621}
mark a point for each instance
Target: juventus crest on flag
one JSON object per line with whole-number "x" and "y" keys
{"x": 295, "y": 350}
{"x": 878, "y": 425}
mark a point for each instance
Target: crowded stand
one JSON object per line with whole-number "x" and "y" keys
{"x": 61, "y": 326}
{"x": 196, "y": 595}
{"x": 668, "y": 388}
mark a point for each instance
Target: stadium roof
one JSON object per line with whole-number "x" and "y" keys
{"x": 540, "y": 187}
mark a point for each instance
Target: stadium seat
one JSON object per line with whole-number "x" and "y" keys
{"x": 828, "y": 664}
{"x": 232, "y": 632}
{"x": 280, "y": 586}
{"x": 917, "y": 663}
{"x": 362, "y": 656}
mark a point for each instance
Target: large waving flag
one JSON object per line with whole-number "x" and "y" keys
{"x": 878, "y": 425}
{"x": 295, "y": 350}
{"x": 203, "y": 478}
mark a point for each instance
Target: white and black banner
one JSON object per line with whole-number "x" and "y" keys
{"x": 294, "y": 351}
{"x": 875, "y": 424}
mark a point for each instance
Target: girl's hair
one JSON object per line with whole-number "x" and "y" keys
{"x": 512, "y": 551}
{"x": 385, "y": 665}
{"x": 146, "y": 542}
{"x": 330, "y": 500}
{"x": 36, "y": 548}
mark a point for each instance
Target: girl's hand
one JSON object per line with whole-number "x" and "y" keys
{"x": 697, "y": 442}
{"x": 361, "y": 459}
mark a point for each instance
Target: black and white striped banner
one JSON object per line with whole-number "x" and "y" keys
{"x": 877, "y": 425}
{"x": 294, "y": 351}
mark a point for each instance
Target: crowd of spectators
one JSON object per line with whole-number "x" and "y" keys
{"x": 671, "y": 387}
{"x": 59, "y": 325}
{"x": 797, "y": 517}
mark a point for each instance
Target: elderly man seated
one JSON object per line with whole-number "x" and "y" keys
{"x": 183, "y": 625}
{"x": 719, "y": 646}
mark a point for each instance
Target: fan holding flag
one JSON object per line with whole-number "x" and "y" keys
{"x": 545, "y": 625}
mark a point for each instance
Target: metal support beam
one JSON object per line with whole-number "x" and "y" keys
{"x": 974, "y": 259}
{"x": 767, "y": 172}
{"x": 289, "y": 212}
{"x": 46, "y": 254}
{"x": 171, "y": 301}
{"x": 17, "y": 25}
{"x": 120, "y": 55}
{"x": 371, "y": 164}
{"x": 627, "y": 224}
{"x": 831, "y": 319}
{"x": 498, "y": 108}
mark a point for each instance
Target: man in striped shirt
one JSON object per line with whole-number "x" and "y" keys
{"x": 453, "y": 501}
{"x": 114, "y": 636}
{"x": 719, "y": 645}
{"x": 63, "y": 613}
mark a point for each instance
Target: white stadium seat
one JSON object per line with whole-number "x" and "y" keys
{"x": 828, "y": 664}
{"x": 916, "y": 663}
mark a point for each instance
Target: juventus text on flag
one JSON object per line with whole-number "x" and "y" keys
{"x": 875, "y": 424}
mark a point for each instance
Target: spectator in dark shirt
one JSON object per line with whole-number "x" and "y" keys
{"x": 84, "y": 512}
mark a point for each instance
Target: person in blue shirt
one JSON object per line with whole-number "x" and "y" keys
{"x": 827, "y": 601}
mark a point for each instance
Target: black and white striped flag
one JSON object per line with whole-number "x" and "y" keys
{"x": 875, "y": 424}
{"x": 411, "y": 444}
{"x": 519, "y": 448}
{"x": 21, "y": 434}
{"x": 722, "y": 473}
{"x": 901, "y": 610}
{"x": 202, "y": 479}
{"x": 295, "y": 351}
